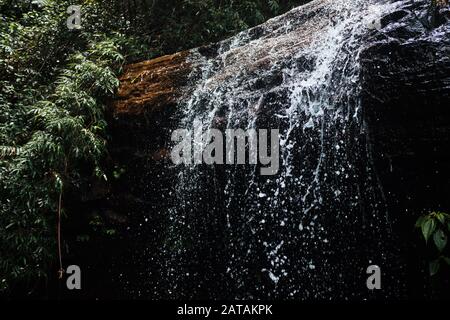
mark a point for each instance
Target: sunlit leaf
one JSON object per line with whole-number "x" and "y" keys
{"x": 428, "y": 226}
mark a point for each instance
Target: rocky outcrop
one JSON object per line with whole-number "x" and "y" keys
{"x": 392, "y": 77}
{"x": 406, "y": 81}
{"x": 150, "y": 86}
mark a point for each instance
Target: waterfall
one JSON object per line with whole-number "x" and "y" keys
{"x": 311, "y": 230}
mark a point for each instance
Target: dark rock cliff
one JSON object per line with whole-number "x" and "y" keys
{"x": 405, "y": 98}
{"x": 406, "y": 81}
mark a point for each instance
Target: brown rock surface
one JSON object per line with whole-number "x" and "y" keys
{"x": 151, "y": 85}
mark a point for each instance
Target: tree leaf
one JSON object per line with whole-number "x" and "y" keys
{"x": 446, "y": 259}
{"x": 441, "y": 217}
{"x": 434, "y": 267}
{"x": 428, "y": 227}
{"x": 440, "y": 239}
{"x": 420, "y": 221}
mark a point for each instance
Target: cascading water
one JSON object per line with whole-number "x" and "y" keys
{"x": 311, "y": 230}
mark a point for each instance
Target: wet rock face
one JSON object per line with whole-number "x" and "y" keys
{"x": 364, "y": 128}
{"x": 150, "y": 86}
{"x": 406, "y": 77}
{"x": 406, "y": 94}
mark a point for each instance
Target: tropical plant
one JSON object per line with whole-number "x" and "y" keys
{"x": 436, "y": 226}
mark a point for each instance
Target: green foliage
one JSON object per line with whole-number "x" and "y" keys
{"x": 436, "y": 226}
{"x": 99, "y": 226}
{"x": 52, "y": 133}
{"x": 54, "y": 85}
{"x": 173, "y": 25}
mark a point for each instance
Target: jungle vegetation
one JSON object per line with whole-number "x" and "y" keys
{"x": 54, "y": 86}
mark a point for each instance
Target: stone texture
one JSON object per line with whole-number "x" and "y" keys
{"x": 151, "y": 86}
{"x": 405, "y": 69}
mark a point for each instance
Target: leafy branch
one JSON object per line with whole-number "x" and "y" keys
{"x": 436, "y": 226}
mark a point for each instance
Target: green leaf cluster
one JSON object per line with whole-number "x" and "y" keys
{"x": 52, "y": 127}
{"x": 436, "y": 226}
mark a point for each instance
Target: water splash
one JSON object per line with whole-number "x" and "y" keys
{"x": 311, "y": 230}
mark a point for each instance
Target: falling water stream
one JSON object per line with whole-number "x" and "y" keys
{"x": 311, "y": 230}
